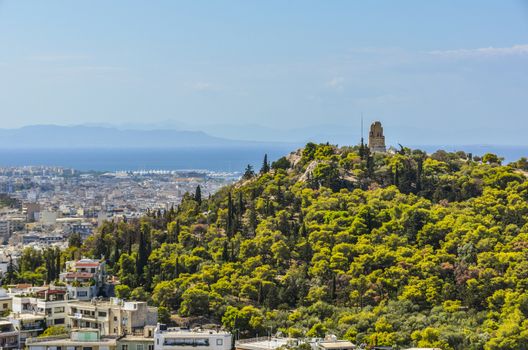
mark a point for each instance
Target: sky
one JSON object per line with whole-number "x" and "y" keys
{"x": 432, "y": 72}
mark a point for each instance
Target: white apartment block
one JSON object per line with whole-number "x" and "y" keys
{"x": 184, "y": 339}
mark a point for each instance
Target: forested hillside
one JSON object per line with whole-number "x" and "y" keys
{"x": 385, "y": 249}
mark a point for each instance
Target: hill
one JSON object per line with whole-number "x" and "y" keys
{"x": 54, "y": 136}
{"x": 384, "y": 249}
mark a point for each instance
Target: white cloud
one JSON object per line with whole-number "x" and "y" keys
{"x": 483, "y": 52}
{"x": 335, "y": 83}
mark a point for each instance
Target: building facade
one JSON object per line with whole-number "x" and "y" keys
{"x": 113, "y": 317}
{"x": 8, "y": 335}
{"x": 85, "y": 279}
{"x": 83, "y": 339}
{"x": 184, "y": 339}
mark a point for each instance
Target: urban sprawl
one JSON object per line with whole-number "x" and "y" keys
{"x": 49, "y": 205}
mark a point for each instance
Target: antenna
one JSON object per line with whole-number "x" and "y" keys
{"x": 362, "y": 128}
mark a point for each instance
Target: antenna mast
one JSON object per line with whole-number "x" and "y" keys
{"x": 362, "y": 128}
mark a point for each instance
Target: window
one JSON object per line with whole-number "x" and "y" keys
{"x": 201, "y": 342}
{"x": 151, "y": 346}
{"x": 58, "y": 309}
{"x": 139, "y": 347}
{"x": 59, "y": 321}
{"x": 186, "y": 342}
{"x": 219, "y": 342}
{"x": 82, "y": 294}
{"x": 124, "y": 347}
{"x": 5, "y": 306}
{"x": 101, "y": 314}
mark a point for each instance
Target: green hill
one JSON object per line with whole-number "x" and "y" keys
{"x": 402, "y": 248}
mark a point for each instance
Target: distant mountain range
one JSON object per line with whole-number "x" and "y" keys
{"x": 54, "y": 136}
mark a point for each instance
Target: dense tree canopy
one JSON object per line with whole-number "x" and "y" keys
{"x": 401, "y": 248}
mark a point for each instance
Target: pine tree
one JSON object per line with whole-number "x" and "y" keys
{"x": 248, "y": 172}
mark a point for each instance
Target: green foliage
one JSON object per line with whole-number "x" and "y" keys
{"x": 54, "y": 331}
{"x": 122, "y": 291}
{"x": 164, "y": 315}
{"x": 281, "y": 163}
{"x": 403, "y": 249}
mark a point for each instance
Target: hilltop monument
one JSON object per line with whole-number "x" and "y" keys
{"x": 376, "y": 142}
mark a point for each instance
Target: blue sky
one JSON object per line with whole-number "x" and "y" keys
{"x": 454, "y": 70}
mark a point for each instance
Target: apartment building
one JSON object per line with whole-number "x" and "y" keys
{"x": 138, "y": 341}
{"x": 48, "y": 302}
{"x": 6, "y": 302}
{"x": 112, "y": 317}
{"x": 85, "y": 279}
{"x": 178, "y": 338}
{"x": 28, "y": 326}
{"x": 8, "y": 335}
{"x": 5, "y": 229}
{"x": 85, "y": 339}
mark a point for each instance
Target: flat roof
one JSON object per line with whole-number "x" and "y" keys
{"x": 190, "y": 332}
{"x": 337, "y": 344}
{"x": 69, "y": 342}
{"x": 273, "y": 343}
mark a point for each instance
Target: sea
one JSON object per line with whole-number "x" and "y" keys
{"x": 221, "y": 159}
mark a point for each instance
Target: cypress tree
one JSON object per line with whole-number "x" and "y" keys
{"x": 241, "y": 207}
{"x": 265, "y": 165}
{"x": 230, "y": 216}
{"x": 57, "y": 264}
{"x": 198, "y": 195}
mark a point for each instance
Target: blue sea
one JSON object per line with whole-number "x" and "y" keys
{"x": 214, "y": 159}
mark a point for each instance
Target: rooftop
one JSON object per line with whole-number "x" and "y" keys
{"x": 338, "y": 344}
{"x": 262, "y": 343}
{"x": 190, "y": 332}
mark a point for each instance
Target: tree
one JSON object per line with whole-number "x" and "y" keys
{"x": 491, "y": 158}
{"x": 122, "y": 291}
{"x": 265, "y": 165}
{"x": 248, "y": 172}
{"x": 54, "y": 331}
{"x": 127, "y": 270}
{"x": 75, "y": 240}
{"x": 198, "y": 195}
{"x": 195, "y": 302}
{"x": 281, "y": 163}
{"x": 164, "y": 315}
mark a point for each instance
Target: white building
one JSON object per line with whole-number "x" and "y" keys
{"x": 8, "y": 335}
{"x": 6, "y": 301}
{"x": 84, "y": 279}
{"x": 50, "y": 303}
{"x": 184, "y": 339}
{"x": 85, "y": 339}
